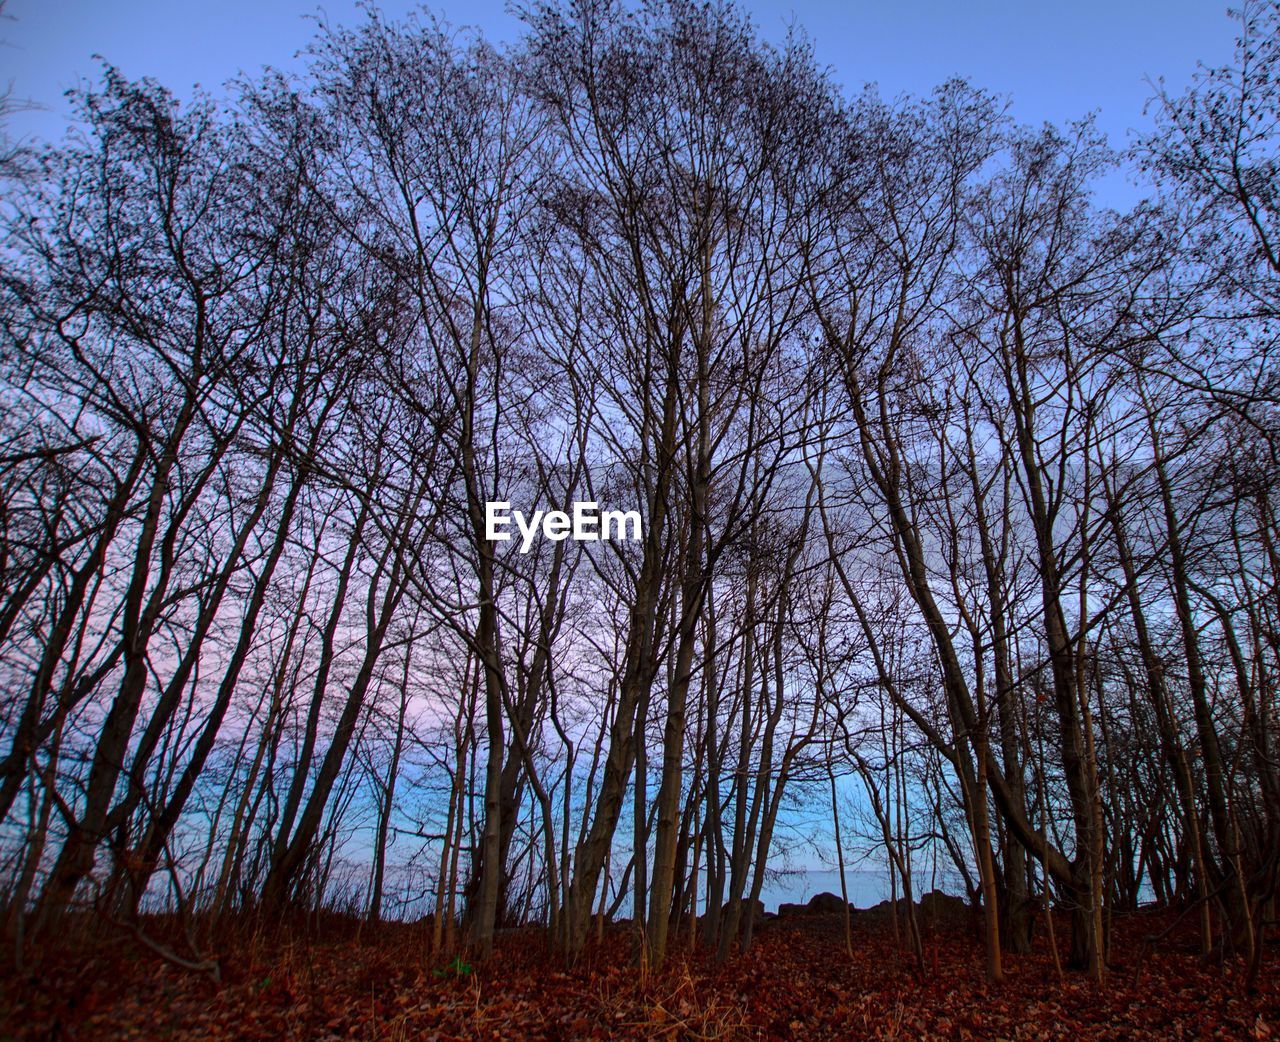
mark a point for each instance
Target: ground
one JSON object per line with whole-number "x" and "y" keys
{"x": 338, "y": 981}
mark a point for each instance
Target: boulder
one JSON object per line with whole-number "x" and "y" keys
{"x": 759, "y": 911}
{"x": 825, "y": 904}
{"x": 938, "y": 905}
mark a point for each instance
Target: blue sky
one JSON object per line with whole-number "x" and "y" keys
{"x": 1057, "y": 60}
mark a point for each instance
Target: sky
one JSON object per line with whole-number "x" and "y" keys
{"x": 1055, "y": 60}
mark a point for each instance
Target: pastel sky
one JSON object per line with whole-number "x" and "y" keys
{"x": 1057, "y": 60}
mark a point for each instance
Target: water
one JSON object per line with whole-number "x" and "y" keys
{"x": 866, "y": 886}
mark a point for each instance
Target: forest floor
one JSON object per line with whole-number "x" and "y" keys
{"x": 797, "y": 982}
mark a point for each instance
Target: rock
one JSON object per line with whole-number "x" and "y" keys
{"x": 943, "y": 906}
{"x": 759, "y": 911}
{"x": 825, "y": 904}
{"x": 885, "y": 909}
{"x": 787, "y": 911}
